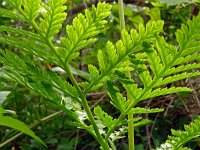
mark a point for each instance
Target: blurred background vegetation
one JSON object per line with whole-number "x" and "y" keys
{"x": 57, "y": 133}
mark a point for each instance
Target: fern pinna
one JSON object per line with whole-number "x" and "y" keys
{"x": 179, "y": 138}
{"x": 143, "y": 51}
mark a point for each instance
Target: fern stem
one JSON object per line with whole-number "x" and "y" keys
{"x": 83, "y": 98}
{"x": 121, "y": 15}
{"x": 121, "y": 117}
{"x": 87, "y": 108}
{"x": 128, "y": 74}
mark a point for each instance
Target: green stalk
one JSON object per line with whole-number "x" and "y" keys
{"x": 31, "y": 126}
{"x": 83, "y": 99}
{"x": 121, "y": 15}
{"x": 128, "y": 74}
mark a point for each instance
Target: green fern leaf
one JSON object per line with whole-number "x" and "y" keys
{"x": 20, "y": 32}
{"x": 93, "y": 72}
{"x": 133, "y": 90}
{"x": 130, "y": 43}
{"x": 174, "y": 78}
{"x": 28, "y": 75}
{"x": 9, "y": 14}
{"x": 117, "y": 99}
{"x": 104, "y": 118}
{"x": 121, "y": 76}
{"x": 53, "y": 17}
{"x": 188, "y": 35}
{"x": 182, "y": 68}
{"x": 145, "y": 78}
{"x": 138, "y": 121}
{"x": 164, "y": 91}
{"x": 179, "y": 138}
{"x": 30, "y": 47}
{"x": 187, "y": 59}
{"x": 30, "y": 11}
{"x": 84, "y": 28}
{"x": 39, "y": 87}
{"x": 142, "y": 123}
{"x": 15, "y": 3}
{"x": 155, "y": 62}
{"x": 139, "y": 110}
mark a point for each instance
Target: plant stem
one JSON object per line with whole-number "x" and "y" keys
{"x": 128, "y": 74}
{"x": 31, "y": 126}
{"x": 82, "y": 97}
{"x": 87, "y": 109}
{"x": 121, "y": 15}
{"x": 130, "y": 132}
{"x": 121, "y": 117}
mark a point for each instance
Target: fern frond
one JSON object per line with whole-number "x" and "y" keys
{"x": 146, "y": 77}
{"x": 117, "y": 99}
{"x": 139, "y": 110}
{"x": 15, "y": 3}
{"x": 188, "y": 37}
{"x": 84, "y": 28}
{"x": 155, "y": 62}
{"x": 31, "y": 47}
{"x": 142, "y": 123}
{"x": 168, "y": 60}
{"x": 39, "y": 87}
{"x": 164, "y": 91}
{"x": 182, "y": 68}
{"x": 25, "y": 10}
{"x": 177, "y": 77}
{"x": 28, "y": 75}
{"x": 133, "y": 89}
{"x": 179, "y": 138}
{"x": 104, "y": 118}
{"x": 53, "y": 17}
{"x": 9, "y": 14}
{"x": 20, "y": 32}
{"x": 93, "y": 72}
{"x": 113, "y": 56}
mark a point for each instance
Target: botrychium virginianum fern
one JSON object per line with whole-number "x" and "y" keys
{"x": 143, "y": 51}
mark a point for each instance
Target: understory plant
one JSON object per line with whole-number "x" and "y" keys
{"x": 142, "y": 61}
